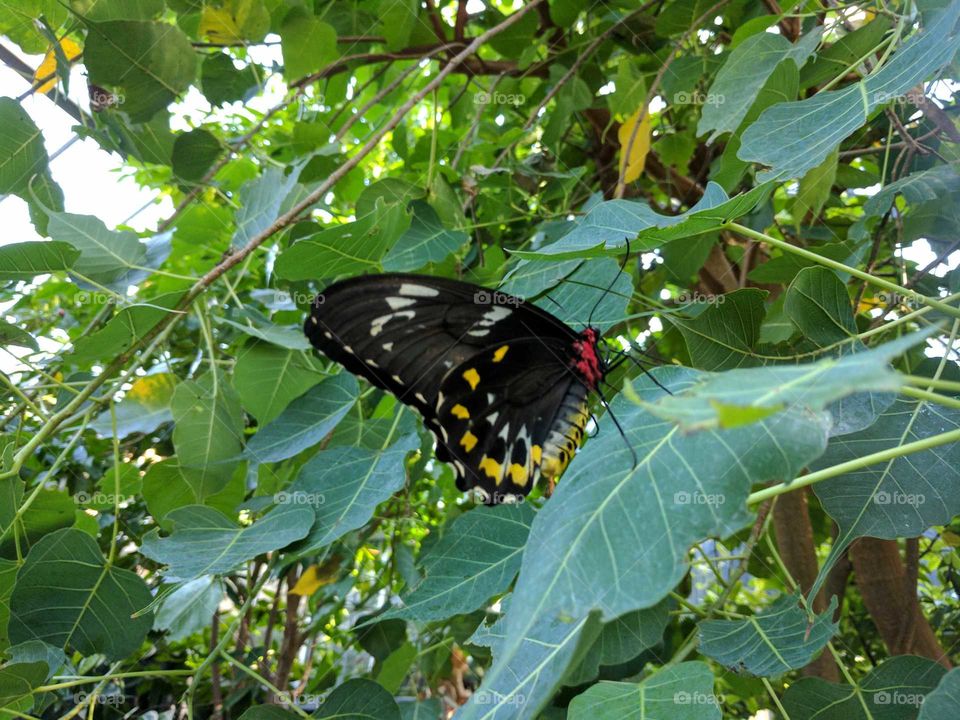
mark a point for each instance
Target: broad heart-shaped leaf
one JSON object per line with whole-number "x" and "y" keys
{"x": 774, "y": 387}
{"x": 936, "y": 183}
{"x": 345, "y": 484}
{"x": 944, "y": 701}
{"x": 188, "y": 609}
{"x": 348, "y": 249}
{"x": 152, "y": 63}
{"x": 105, "y": 256}
{"x": 773, "y": 642}
{"x": 894, "y": 690}
{"x": 608, "y": 226}
{"x": 268, "y": 378}
{"x": 208, "y": 426}
{"x": 614, "y": 537}
{"x": 359, "y": 699}
{"x": 818, "y": 304}
{"x": 24, "y": 163}
{"x": 307, "y": 43}
{"x": 17, "y": 681}
{"x": 744, "y": 73}
{"x": 26, "y": 260}
{"x": 427, "y": 241}
{"x": 204, "y": 541}
{"x": 900, "y": 497}
{"x": 621, "y": 640}
{"x": 260, "y": 202}
{"x": 794, "y": 137}
{"x": 477, "y": 557}
{"x": 68, "y": 596}
{"x": 305, "y": 421}
{"x": 169, "y": 485}
{"x": 724, "y": 333}
{"x": 681, "y": 692}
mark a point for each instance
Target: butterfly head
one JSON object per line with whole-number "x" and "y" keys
{"x": 587, "y": 361}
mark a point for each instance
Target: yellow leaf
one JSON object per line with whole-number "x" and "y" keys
{"x": 316, "y": 576}
{"x": 153, "y": 389}
{"x": 235, "y": 21}
{"x": 48, "y": 68}
{"x": 219, "y": 25}
{"x": 638, "y": 148}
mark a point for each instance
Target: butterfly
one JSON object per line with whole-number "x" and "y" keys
{"x": 502, "y": 384}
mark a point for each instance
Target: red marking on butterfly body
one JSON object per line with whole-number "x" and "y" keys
{"x": 587, "y": 361}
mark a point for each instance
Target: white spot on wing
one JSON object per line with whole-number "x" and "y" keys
{"x": 412, "y": 290}
{"x": 396, "y": 303}
{"x": 388, "y": 346}
{"x": 397, "y": 380}
{"x": 420, "y": 397}
{"x": 348, "y": 349}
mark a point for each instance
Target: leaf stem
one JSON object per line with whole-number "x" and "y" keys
{"x": 906, "y": 293}
{"x": 851, "y": 465}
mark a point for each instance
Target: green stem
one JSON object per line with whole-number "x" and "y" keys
{"x": 933, "y": 397}
{"x": 920, "y": 381}
{"x": 907, "y": 293}
{"x": 263, "y": 681}
{"x": 851, "y": 465}
{"x": 87, "y": 679}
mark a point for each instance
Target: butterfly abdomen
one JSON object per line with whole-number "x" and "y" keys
{"x": 566, "y": 433}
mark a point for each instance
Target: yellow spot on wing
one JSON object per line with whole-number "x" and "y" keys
{"x": 518, "y": 473}
{"x": 536, "y": 452}
{"x": 492, "y": 468}
{"x": 469, "y": 440}
{"x": 472, "y": 377}
{"x": 500, "y": 352}
{"x": 460, "y": 411}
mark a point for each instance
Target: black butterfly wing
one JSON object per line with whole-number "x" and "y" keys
{"x": 509, "y": 414}
{"x": 404, "y": 333}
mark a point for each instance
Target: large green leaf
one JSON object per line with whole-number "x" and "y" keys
{"x": 261, "y": 200}
{"x": 944, "y": 700}
{"x": 189, "y": 608}
{"x": 268, "y": 378}
{"x": 307, "y": 43}
{"x": 427, "y": 241}
{"x": 26, "y": 260}
{"x": 724, "y": 332}
{"x": 306, "y": 421}
{"x": 17, "y": 682}
{"x": 359, "y": 699}
{"x": 744, "y": 73}
{"x": 597, "y": 292}
{"x": 477, "y": 557}
{"x": 151, "y": 62}
{"x": 345, "y": 484}
{"x": 145, "y": 406}
{"x": 204, "y": 541}
{"x": 794, "y": 137}
{"x": 69, "y": 596}
{"x": 894, "y": 690}
{"x": 169, "y": 485}
{"x": 767, "y": 645}
{"x": 818, "y": 304}
{"x": 681, "y": 692}
{"x": 614, "y": 536}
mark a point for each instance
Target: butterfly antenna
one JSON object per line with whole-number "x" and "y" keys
{"x": 618, "y": 426}
{"x": 606, "y": 292}
{"x": 547, "y": 297}
{"x": 627, "y": 356}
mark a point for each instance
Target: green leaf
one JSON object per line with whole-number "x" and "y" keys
{"x": 68, "y": 596}
{"x": 152, "y": 63}
{"x": 103, "y": 10}
{"x": 261, "y": 200}
{"x": 26, "y": 260}
{"x": 427, "y": 241}
{"x": 308, "y": 44}
{"x": 397, "y": 21}
{"x": 345, "y": 485}
{"x": 145, "y": 406}
{"x": 348, "y": 249}
{"x": 194, "y": 153}
{"x": 420, "y": 710}
{"x": 691, "y": 486}
{"x": 724, "y": 334}
{"x": 396, "y": 666}
{"x": 597, "y": 291}
{"x": 794, "y": 137}
{"x": 944, "y": 700}
{"x": 204, "y": 541}
{"x": 743, "y": 74}
{"x": 477, "y": 557}
{"x": 168, "y": 486}
{"x": 775, "y": 387}
{"x": 24, "y": 167}
{"x": 359, "y": 699}
{"x": 290, "y": 337}
{"x": 11, "y": 334}
{"x": 608, "y": 225}
{"x": 189, "y": 608}
{"x": 106, "y": 257}
{"x": 835, "y": 60}
{"x": 305, "y": 421}
{"x": 208, "y": 427}
{"x": 818, "y": 304}
{"x": 267, "y": 378}
{"x": 894, "y": 690}
{"x": 223, "y": 83}
{"x": 814, "y": 191}
{"x": 681, "y": 692}
{"x": 17, "y": 682}
{"x": 775, "y": 641}
{"x": 784, "y": 268}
